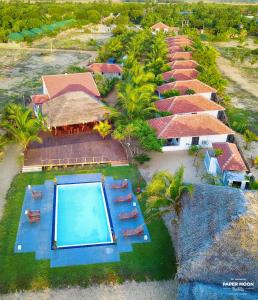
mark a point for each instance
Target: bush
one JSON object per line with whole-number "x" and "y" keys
{"x": 193, "y": 149}
{"x": 170, "y": 93}
{"x": 190, "y": 92}
{"x": 171, "y": 79}
{"x": 75, "y": 69}
{"x": 142, "y": 158}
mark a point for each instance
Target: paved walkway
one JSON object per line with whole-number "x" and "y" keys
{"x": 155, "y": 290}
{"x": 9, "y": 167}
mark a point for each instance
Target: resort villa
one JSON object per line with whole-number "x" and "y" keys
{"x": 180, "y": 74}
{"x": 180, "y": 56}
{"x": 184, "y": 86}
{"x": 72, "y": 107}
{"x": 189, "y": 104}
{"x": 225, "y": 162}
{"x": 160, "y": 27}
{"x": 106, "y": 69}
{"x": 183, "y": 64}
{"x": 181, "y": 131}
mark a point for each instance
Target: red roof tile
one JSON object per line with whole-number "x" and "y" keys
{"x": 181, "y": 43}
{"x": 160, "y": 26}
{"x": 181, "y": 74}
{"x": 183, "y": 64}
{"x": 180, "y": 56}
{"x": 39, "y": 99}
{"x": 188, "y": 125}
{"x": 105, "y": 68}
{"x": 187, "y": 104}
{"x": 230, "y": 159}
{"x": 184, "y": 85}
{"x": 174, "y": 49}
{"x": 58, "y": 85}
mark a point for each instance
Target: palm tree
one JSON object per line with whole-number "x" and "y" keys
{"x": 165, "y": 192}
{"x": 103, "y": 128}
{"x": 20, "y": 125}
{"x": 3, "y": 142}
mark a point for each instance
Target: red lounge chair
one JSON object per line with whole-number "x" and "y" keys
{"x": 33, "y": 213}
{"x": 34, "y": 219}
{"x": 36, "y": 195}
{"x": 130, "y": 215}
{"x": 122, "y": 185}
{"x": 127, "y": 198}
{"x": 133, "y": 232}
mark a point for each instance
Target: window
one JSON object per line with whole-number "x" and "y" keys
{"x": 173, "y": 142}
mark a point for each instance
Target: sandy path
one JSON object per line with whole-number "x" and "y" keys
{"x": 9, "y": 167}
{"x": 156, "y": 290}
{"x": 235, "y": 74}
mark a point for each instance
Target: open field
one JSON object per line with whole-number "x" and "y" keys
{"x": 150, "y": 261}
{"x": 21, "y": 70}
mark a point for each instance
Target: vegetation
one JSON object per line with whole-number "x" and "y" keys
{"x": 149, "y": 261}
{"x": 103, "y": 128}
{"x": 142, "y": 158}
{"x": 105, "y": 85}
{"x": 249, "y": 137}
{"x": 193, "y": 149}
{"x": 171, "y": 93}
{"x": 20, "y": 125}
{"x": 3, "y": 142}
{"x": 165, "y": 192}
{"x": 240, "y": 54}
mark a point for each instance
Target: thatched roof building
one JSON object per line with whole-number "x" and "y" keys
{"x": 217, "y": 239}
{"x": 73, "y": 108}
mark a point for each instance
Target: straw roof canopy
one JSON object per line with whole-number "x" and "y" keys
{"x": 73, "y": 108}
{"x": 218, "y": 235}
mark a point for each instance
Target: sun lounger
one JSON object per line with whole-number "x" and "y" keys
{"x": 128, "y": 215}
{"x": 127, "y": 198}
{"x": 133, "y": 232}
{"x": 33, "y": 213}
{"x": 122, "y": 185}
{"x": 36, "y": 195}
{"x": 34, "y": 219}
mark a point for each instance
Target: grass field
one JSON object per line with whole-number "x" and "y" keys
{"x": 151, "y": 261}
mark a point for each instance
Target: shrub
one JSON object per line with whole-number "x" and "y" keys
{"x": 193, "y": 149}
{"x": 171, "y": 79}
{"x": 142, "y": 158}
{"x": 170, "y": 93}
{"x": 75, "y": 69}
{"x": 190, "y": 92}
{"x": 218, "y": 152}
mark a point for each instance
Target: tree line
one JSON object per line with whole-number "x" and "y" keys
{"x": 219, "y": 21}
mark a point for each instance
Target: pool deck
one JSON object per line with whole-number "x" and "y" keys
{"x": 37, "y": 237}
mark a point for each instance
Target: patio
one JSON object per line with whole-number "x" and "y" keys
{"x": 74, "y": 149}
{"x": 37, "y": 237}
{"x": 171, "y": 161}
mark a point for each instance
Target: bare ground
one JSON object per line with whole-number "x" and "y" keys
{"x": 9, "y": 167}
{"x": 155, "y": 290}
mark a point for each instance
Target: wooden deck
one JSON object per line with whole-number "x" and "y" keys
{"x": 75, "y": 149}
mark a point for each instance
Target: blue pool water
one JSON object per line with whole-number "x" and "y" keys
{"x": 81, "y": 216}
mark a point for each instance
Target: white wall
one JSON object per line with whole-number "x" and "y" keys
{"x": 185, "y": 142}
{"x": 44, "y": 89}
{"x": 206, "y": 95}
{"x": 110, "y": 75}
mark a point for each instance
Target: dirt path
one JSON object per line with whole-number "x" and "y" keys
{"x": 155, "y": 290}
{"x": 9, "y": 167}
{"x": 236, "y": 75}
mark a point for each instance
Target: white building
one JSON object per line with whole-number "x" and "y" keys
{"x": 108, "y": 70}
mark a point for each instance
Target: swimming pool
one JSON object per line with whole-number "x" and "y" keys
{"x": 81, "y": 216}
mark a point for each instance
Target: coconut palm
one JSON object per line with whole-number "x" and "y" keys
{"x": 165, "y": 191}
{"x": 103, "y": 128}
{"x": 21, "y": 126}
{"x": 249, "y": 137}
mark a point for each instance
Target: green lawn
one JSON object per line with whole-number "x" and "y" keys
{"x": 155, "y": 260}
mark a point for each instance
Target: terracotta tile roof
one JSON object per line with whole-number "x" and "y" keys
{"x": 183, "y": 64}
{"x": 177, "y": 37}
{"x": 230, "y": 159}
{"x": 39, "y": 99}
{"x": 184, "y": 85}
{"x": 181, "y": 74}
{"x": 174, "y": 49}
{"x": 160, "y": 26}
{"x": 105, "y": 68}
{"x": 188, "y": 125}
{"x": 58, "y": 85}
{"x": 180, "y": 55}
{"x": 187, "y": 104}
{"x": 179, "y": 42}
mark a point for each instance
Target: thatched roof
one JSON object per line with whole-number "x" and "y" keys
{"x": 218, "y": 235}
{"x": 73, "y": 108}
